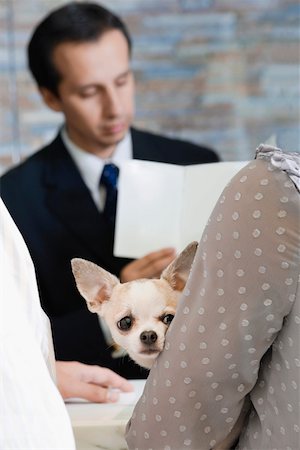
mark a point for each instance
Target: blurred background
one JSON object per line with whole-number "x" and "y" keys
{"x": 224, "y": 73}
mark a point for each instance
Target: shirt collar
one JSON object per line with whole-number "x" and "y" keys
{"x": 89, "y": 165}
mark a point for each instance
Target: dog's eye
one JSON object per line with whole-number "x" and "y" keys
{"x": 125, "y": 323}
{"x": 167, "y": 319}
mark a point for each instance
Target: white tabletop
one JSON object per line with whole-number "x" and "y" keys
{"x": 101, "y": 426}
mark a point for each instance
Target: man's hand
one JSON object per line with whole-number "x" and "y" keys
{"x": 150, "y": 266}
{"x": 92, "y": 383}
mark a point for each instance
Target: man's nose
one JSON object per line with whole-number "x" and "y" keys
{"x": 113, "y": 105}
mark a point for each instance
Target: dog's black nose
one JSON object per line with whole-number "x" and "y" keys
{"x": 148, "y": 337}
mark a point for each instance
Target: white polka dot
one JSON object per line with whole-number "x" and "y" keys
{"x": 262, "y": 269}
{"x": 214, "y": 385}
{"x": 235, "y": 375}
{"x": 245, "y": 322}
{"x": 229, "y": 420}
{"x": 224, "y": 410}
{"x": 182, "y": 428}
{"x": 224, "y": 342}
{"x": 220, "y": 273}
{"x": 284, "y": 199}
{"x": 201, "y": 328}
{"x": 256, "y": 233}
{"x": 187, "y": 442}
{"x": 182, "y": 347}
{"x": 219, "y": 255}
{"x": 192, "y": 394}
{"x": 260, "y": 401}
{"x": 232, "y": 366}
{"x": 220, "y": 292}
{"x": 280, "y": 230}
{"x": 256, "y": 214}
{"x": 228, "y": 356}
{"x": 235, "y": 216}
{"x": 264, "y": 182}
{"x": 221, "y": 310}
{"x": 282, "y": 213}
{"x": 281, "y": 248}
{"x": 222, "y": 326}
{"x": 241, "y": 388}
{"x": 205, "y": 361}
{"x": 187, "y": 380}
{"x": 284, "y": 265}
{"x": 183, "y": 364}
{"x": 177, "y": 414}
{"x": 186, "y": 310}
{"x": 163, "y": 433}
{"x": 202, "y": 292}
{"x": 207, "y": 430}
{"x": 203, "y": 417}
{"x": 265, "y": 286}
{"x": 258, "y": 251}
{"x": 218, "y": 236}
{"x": 269, "y": 432}
{"x": 201, "y": 311}
{"x": 258, "y": 196}
{"x": 270, "y": 317}
{"x": 197, "y": 405}
{"x": 167, "y": 364}
{"x": 212, "y": 443}
{"x": 244, "y": 307}
{"x": 243, "y": 178}
{"x": 168, "y": 383}
{"x": 248, "y": 337}
{"x": 219, "y": 398}
{"x": 242, "y": 290}
{"x": 183, "y": 329}
{"x": 237, "y": 254}
{"x": 209, "y": 374}
{"x": 158, "y": 418}
{"x": 251, "y": 350}
{"x": 219, "y": 217}
{"x": 186, "y": 292}
{"x": 172, "y": 400}
{"x": 235, "y": 235}
{"x": 203, "y": 345}
{"x": 237, "y": 196}
{"x": 268, "y": 302}
{"x": 289, "y": 281}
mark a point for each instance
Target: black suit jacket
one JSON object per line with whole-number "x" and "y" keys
{"x": 58, "y": 219}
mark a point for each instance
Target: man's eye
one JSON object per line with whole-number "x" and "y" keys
{"x": 125, "y": 323}
{"x": 167, "y": 319}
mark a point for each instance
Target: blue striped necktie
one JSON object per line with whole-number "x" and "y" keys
{"x": 109, "y": 180}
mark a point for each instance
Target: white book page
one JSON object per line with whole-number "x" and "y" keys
{"x": 203, "y": 186}
{"x": 148, "y": 209}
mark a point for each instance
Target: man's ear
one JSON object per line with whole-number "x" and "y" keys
{"x": 177, "y": 273}
{"x": 50, "y": 99}
{"x": 94, "y": 283}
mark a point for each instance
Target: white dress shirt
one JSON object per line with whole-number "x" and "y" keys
{"x": 32, "y": 412}
{"x": 90, "y": 166}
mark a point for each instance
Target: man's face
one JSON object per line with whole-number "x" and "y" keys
{"x": 95, "y": 92}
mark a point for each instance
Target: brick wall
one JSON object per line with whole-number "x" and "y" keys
{"x": 219, "y": 72}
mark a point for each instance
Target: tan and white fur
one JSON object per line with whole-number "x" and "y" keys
{"x": 138, "y": 313}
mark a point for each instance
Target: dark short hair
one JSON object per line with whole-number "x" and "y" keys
{"x": 73, "y": 22}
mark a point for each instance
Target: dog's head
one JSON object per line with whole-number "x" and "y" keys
{"x": 138, "y": 312}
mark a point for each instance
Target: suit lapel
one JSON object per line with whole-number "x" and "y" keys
{"x": 69, "y": 199}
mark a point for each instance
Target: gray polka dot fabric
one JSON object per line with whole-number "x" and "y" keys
{"x": 231, "y": 364}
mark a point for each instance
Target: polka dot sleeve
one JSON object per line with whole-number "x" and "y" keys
{"x": 232, "y": 351}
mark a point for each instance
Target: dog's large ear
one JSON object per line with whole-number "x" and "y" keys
{"x": 177, "y": 273}
{"x": 94, "y": 283}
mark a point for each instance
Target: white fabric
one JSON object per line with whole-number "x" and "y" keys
{"x": 90, "y": 166}
{"x": 32, "y": 413}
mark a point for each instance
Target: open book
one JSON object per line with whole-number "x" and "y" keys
{"x": 166, "y": 205}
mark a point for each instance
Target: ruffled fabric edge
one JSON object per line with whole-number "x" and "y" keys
{"x": 289, "y": 162}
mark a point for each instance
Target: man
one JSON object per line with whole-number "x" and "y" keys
{"x": 80, "y": 58}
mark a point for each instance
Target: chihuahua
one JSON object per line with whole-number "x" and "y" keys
{"x": 138, "y": 313}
